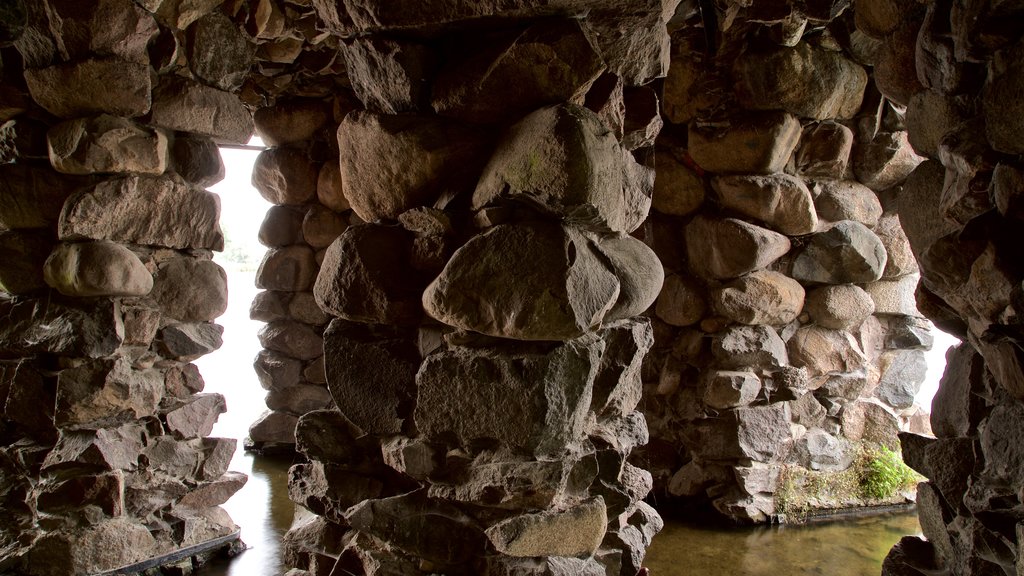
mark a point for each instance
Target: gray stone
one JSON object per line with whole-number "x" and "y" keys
{"x": 366, "y": 277}
{"x": 93, "y": 86}
{"x": 781, "y": 201}
{"x": 191, "y": 290}
{"x": 289, "y": 269}
{"x": 276, "y": 370}
{"x": 895, "y": 70}
{"x": 292, "y": 338}
{"x": 90, "y": 329}
{"x": 107, "y": 448}
{"x": 757, "y": 433}
{"x": 930, "y": 116}
{"x": 845, "y": 252}
{"x": 273, "y": 429}
{"x": 638, "y": 271}
{"x": 900, "y": 261}
{"x": 299, "y": 399}
{"x": 108, "y": 545}
{"x": 824, "y": 150}
{"x": 758, "y": 144}
{"x": 682, "y": 301}
{"x": 819, "y": 450}
{"x": 268, "y": 306}
{"x": 188, "y": 106}
{"x": 1002, "y": 109}
{"x": 106, "y": 144}
{"x": 808, "y": 411}
{"x": 330, "y": 190}
{"x": 281, "y": 227}
{"x": 822, "y": 351}
{"x": 837, "y": 200}
{"x": 285, "y": 176}
{"x": 196, "y": 417}
{"x": 104, "y": 394}
{"x": 388, "y": 75}
{"x": 101, "y": 268}
{"x": 219, "y": 54}
{"x": 895, "y": 296}
{"x": 117, "y": 27}
{"x": 327, "y": 436}
{"x": 390, "y": 164}
{"x": 372, "y": 379}
{"x": 1007, "y": 184}
{"x": 529, "y": 281}
{"x": 617, "y": 386}
{"x": 903, "y": 371}
{"x": 576, "y": 531}
{"x": 918, "y": 207}
{"x": 885, "y": 160}
{"x": 678, "y": 190}
{"x": 292, "y": 121}
{"x": 908, "y": 332}
{"x": 213, "y": 493}
{"x": 729, "y": 248}
{"x": 197, "y": 160}
{"x": 303, "y": 307}
{"x": 731, "y": 389}
{"x": 761, "y": 297}
{"x": 187, "y": 342}
{"x": 839, "y": 306}
{"x": 328, "y": 490}
{"x": 180, "y": 14}
{"x": 321, "y": 226}
{"x": 502, "y": 481}
{"x": 499, "y": 78}
{"x": 806, "y": 81}
{"x": 545, "y": 395}
{"x": 640, "y": 56}
{"x": 428, "y": 528}
{"x": 582, "y": 177}
{"x": 956, "y": 409}
{"x": 144, "y": 210}
{"x": 745, "y": 347}
{"x": 869, "y": 422}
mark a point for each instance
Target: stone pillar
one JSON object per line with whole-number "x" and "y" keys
{"x": 788, "y": 342}
{"x": 961, "y": 209}
{"x": 111, "y": 113}
{"x": 485, "y": 348}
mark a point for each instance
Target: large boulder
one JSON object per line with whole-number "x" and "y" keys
{"x": 845, "y": 252}
{"x": 761, "y": 297}
{"x": 371, "y": 378}
{"x": 745, "y": 347}
{"x": 94, "y": 86}
{"x": 823, "y": 351}
{"x": 106, "y": 144}
{"x": 285, "y": 176}
{"x": 903, "y": 372}
{"x": 191, "y": 290}
{"x": 189, "y": 106}
{"x": 839, "y": 306}
{"x": 390, "y": 164}
{"x": 219, "y": 53}
{"x": 729, "y": 248}
{"x": 544, "y": 395}
{"x": 144, "y": 210}
{"x": 389, "y": 75}
{"x": 837, "y": 200}
{"x": 807, "y": 81}
{"x": 563, "y": 160}
{"x": 781, "y": 201}
{"x": 503, "y": 76}
{"x": 105, "y": 393}
{"x": 757, "y": 144}
{"x": 576, "y": 531}
{"x": 542, "y": 281}
{"x": 366, "y": 277}
{"x": 99, "y": 268}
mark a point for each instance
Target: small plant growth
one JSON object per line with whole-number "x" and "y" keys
{"x": 877, "y": 476}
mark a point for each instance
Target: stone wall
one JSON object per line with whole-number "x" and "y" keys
{"x": 111, "y": 118}
{"x": 787, "y": 338}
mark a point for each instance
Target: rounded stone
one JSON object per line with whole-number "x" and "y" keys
{"x": 290, "y": 269}
{"x": 285, "y": 176}
{"x": 678, "y": 190}
{"x": 99, "y": 268}
{"x": 191, "y": 290}
{"x": 761, "y": 297}
{"x": 681, "y": 302}
{"x": 839, "y": 307}
{"x": 321, "y": 226}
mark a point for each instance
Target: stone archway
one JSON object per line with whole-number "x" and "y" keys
{"x": 491, "y": 164}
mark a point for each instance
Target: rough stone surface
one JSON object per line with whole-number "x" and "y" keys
{"x": 783, "y": 202}
{"x": 365, "y": 277}
{"x": 191, "y": 290}
{"x": 188, "y": 106}
{"x": 99, "y": 268}
{"x": 837, "y": 200}
{"x": 93, "y": 86}
{"x": 106, "y": 144}
{"x": 729, "y": 248}
{"x": 388, "y": 75}
{"x": 285, "y": 176}
{"x": 577, "y": 531}
{"x": 678, "y": 190}
{"x": 903, "y": 371}
{"x": 290, "y": 269}
{"x": 144, "y": 210}
{"x": 563, "y": 160}
{"x": 390, "y": 164}
{"x": 760, "y": 144}
{"x": 840, "y": 306}
{"x": 219, "y": 54}
{"x": 761, "y": 297}
{"x": 291, "y": 122}
{"x": 803, "y": 80}
{"x": 822, "y": 351}
{"x": 846, "y": 252}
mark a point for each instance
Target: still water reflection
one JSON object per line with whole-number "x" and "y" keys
{"x": 852, "y": 547}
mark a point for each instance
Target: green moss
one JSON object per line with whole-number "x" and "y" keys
{"x": 877, "y": 476}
